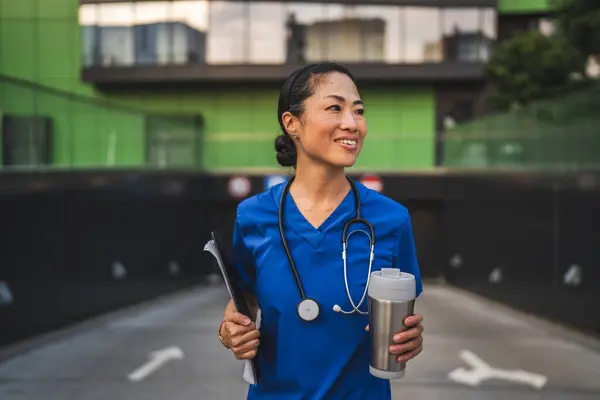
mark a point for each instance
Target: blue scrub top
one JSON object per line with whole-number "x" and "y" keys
{"x": 328, "y": 357}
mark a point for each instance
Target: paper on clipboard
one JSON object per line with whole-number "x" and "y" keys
{"x": 216, "y": 248}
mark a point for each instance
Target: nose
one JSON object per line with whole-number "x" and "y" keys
{"x": 348, "y": 122}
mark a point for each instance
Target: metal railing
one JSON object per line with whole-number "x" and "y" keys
{"x": 560, "y": 132}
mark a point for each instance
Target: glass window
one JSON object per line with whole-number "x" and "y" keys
{"x": 272, "y": 32}
{"x": 191, "y": 25}
{"x": 154, "y": 32}
{"x": 144, "y": 33}
{"x": 489, "y": 23}
{"x": 115, "y": 35}
{"x": 88, "y": 20}
{"x": 461, "y": 20}
{"x": 228, "y": 32}
{"x": 343, "y": 33}
{"x": 468, "y": 34}
{"x": 173, "y": 141}
{"x": 304, "y": 22}
{"x": 379, "y": 36}
{"x": 422, "y": 39}
{"x": 266, "y": 33}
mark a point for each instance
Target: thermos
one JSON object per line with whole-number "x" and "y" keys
{"x": 392, "y": 296}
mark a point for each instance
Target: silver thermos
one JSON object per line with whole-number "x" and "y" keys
{"x": 392, "y": 296}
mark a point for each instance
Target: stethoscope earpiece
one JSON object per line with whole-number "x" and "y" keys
{"x": 308, "y": 309}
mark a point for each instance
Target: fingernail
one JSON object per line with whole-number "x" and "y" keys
{"x": 397, "y": 338}
{"x": 247, "y": 321}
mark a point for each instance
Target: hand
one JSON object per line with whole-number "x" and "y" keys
{"x": 240, "y": 334}
{"x": 409, "y": 342}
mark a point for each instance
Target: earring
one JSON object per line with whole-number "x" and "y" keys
{"x": 294, "y": 136}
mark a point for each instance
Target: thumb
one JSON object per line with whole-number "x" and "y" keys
{"x": 239, "y": 318}
{"x": 367, "y": 328}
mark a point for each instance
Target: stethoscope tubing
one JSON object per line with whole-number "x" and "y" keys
{"x": 357, "y": 219}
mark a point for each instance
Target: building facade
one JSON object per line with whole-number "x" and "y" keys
{"x": 194, "y": 83}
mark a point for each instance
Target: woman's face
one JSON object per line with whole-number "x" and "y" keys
{"x": 332, "y": 128}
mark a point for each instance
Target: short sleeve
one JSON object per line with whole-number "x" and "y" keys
{"x": 406, "y": 254}
{"x": 242, "y": 259}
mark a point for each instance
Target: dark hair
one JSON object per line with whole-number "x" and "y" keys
{"x": 298, "y": 87}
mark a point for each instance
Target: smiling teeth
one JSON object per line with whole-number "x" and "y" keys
{"x": 348, "y": 142}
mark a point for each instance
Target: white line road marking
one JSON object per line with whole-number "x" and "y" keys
{"x": 482, "y": 371}
{"x": 157, "y": 359}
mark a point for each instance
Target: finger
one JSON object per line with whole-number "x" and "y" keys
{"x": 406, "y": 347}
{"x": 238, "y": 330}
{"x": 238, "y": 318}
{"x": 239, "y": 340}
{"x": 410, "y": 355}
{"x": 246, "y": 347}
{"x": 367, "y": 328}
{"x": 247, "y": 356}
{"x": 409, "y": 334}
{"x": 413, "y": 320}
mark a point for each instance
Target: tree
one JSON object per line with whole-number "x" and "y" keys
{"x": 579, "y": 22}
{"x": 525, "y": 66}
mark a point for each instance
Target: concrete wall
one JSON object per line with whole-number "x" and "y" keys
{"x": 519, "y": 238}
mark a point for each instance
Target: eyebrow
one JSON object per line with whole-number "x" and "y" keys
{"x": 341, "y": 98}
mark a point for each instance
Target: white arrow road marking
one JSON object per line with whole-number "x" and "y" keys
{"x": 157, "y": 359}
{"x": 482, "y": 371}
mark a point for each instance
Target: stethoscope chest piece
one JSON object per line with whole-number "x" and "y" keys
{"x": 308, "y": 310}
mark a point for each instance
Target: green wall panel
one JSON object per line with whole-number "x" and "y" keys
{"x": 83, "y": 134}
{"x": 19, "y": 8}
{"x": 17, "y": 43}
{"x": 241, "y": 125}
{"x": 40, "y": 41}
{"x": 523, "y": 6}
{"x": 57, "y": 8}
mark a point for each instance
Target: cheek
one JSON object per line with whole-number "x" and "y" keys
{"x": 362, "y": 127}
{"x": 318, "y": 136}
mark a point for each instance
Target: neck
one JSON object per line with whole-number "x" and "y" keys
{"x": 319, "y": 183}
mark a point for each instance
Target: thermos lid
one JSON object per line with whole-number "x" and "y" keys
{"x": 393, "y": 285}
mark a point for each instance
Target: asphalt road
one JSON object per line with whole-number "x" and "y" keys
{"x": 110, "y": 357}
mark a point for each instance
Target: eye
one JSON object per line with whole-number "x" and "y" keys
{"x": 335, "y": 107}
{"x": 360, "y": 111}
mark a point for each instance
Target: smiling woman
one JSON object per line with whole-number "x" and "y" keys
{"x": 322, "y": 117}
{"x": 287, "y": 250}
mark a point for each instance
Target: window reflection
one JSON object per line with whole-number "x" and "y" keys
{"x": 268, "y": 32}
{"x": 227, "y": 34}
{"x": 150, "y": 32}
{"x": 465, "y": 36}
{"x": 115, "y": 34}
{"x": 423, "y": 37}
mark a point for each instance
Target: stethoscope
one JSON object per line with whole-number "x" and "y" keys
{"x": 308, "y": 309}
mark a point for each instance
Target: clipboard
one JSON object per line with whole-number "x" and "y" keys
{"x": 217, "y": 248}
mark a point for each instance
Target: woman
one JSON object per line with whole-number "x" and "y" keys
{"x": 322, "y": 118}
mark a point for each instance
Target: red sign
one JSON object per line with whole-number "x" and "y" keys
{"x": 372, "y": 182}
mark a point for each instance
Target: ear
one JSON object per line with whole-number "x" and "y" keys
{"x": 289, "y": 122}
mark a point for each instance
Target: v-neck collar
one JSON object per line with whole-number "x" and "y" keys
{"x": 295, "y": 221}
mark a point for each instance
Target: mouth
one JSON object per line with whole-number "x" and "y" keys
{"x": 348, "y": 144}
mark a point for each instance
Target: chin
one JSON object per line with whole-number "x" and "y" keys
{"x": 344, "y": 162}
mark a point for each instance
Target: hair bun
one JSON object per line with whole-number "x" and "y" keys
{"x": 286, "y": 151}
